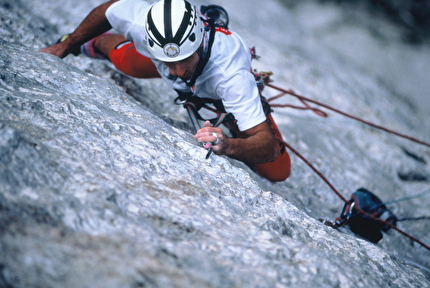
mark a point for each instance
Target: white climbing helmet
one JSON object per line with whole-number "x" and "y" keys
{"x": 174, "y": 30}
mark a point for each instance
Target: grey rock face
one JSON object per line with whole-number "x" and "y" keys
{"x": 99, "y": 190}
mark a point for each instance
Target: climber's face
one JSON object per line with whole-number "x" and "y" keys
{"x": 184, "y": 69}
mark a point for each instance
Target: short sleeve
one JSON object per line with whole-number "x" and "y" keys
{"x": 240, "y": 97}
{"x": 125, "y": 14}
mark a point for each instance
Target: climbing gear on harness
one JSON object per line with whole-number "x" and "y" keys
{"x": 174, "y": 29}
{"x": 362, "y": 225}
{"x": 217, "y": 13}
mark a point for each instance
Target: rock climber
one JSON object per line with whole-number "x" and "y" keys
{"x": 171, "y": 39}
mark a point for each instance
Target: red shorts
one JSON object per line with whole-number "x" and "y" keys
{"x": 278, "y": 170}
{"x": 127, "y": 60}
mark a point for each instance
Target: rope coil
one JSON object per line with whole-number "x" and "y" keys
{"x": 323, "y": 114}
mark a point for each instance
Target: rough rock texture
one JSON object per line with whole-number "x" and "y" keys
{"x": 98, "y": 189}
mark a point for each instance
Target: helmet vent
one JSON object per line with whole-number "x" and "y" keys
{"x": 192, "y": 37}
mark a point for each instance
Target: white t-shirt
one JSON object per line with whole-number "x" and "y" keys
{"x": 226, "y": 76}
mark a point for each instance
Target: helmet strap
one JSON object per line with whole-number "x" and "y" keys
{"x": 203, "y": 58}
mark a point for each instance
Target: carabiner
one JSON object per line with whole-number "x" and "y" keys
{"x": 350, "y": 211}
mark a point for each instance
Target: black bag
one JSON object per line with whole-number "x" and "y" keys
{"x": 363, "y": 225}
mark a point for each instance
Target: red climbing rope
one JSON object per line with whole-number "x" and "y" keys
{"x": 304, "y": 100}
{"x": 346, "y": 201}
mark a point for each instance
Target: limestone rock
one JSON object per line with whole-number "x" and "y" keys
{"x": 101, "y": 190}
